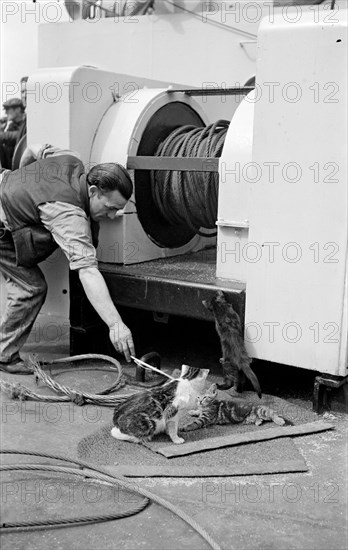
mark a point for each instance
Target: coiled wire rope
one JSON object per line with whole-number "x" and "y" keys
{"x": 189, "y": 198}
{"x": 96, "y": 474}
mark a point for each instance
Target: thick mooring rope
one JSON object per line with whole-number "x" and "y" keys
{"x": 120, "y": 381}
{"x": 103, "y": 474}
{"x": 64, "y": 393}
{"x": 189, "y": 198}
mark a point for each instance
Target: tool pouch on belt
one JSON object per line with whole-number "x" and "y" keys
{"x": 33, "y": 244}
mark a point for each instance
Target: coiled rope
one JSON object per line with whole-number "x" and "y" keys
{"x": 100, "y": 474}
{"x": 33, "y": 362}
{"x": 31, "y": 525}
{"x": 189, "y": 198}
{"x": 65, "y": 394}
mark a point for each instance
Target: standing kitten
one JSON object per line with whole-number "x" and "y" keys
{"x": 140, "y": 416}
{"x": 212, "y": 410}
{"x": 235, "y": 360}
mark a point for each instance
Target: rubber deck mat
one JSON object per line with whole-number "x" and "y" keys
{"x": 136, "y": 460}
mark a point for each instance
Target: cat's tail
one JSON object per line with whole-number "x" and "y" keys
{"x": 249, "y": 373}
{"x": 119, "y": 400}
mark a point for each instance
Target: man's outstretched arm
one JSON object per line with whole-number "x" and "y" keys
{"x": 69, "y": 227}
{"x": 98, "y": 294}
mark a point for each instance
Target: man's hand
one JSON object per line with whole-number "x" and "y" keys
{"x": 121, "y": 338}
{"x": 98, "y": 294}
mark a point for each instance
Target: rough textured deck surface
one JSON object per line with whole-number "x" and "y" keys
{"x": 197, "y": 268}
{"x": 297, "y": 511}
{"x": 174, "y": 286}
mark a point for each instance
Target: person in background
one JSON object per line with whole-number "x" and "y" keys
{"x": 11, "y": 130}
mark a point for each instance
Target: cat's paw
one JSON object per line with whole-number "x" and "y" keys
{"x": 279, "y": 420}
{"x": 178, "y": 440}
{"x": 188, "y": 428}
{"x": 194, "y": 412}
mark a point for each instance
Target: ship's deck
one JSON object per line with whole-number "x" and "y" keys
{"x": 175, "y": 285}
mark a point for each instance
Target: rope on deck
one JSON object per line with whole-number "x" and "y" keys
{"x": 64, "y": 393}
{"x": 101, "y": 474}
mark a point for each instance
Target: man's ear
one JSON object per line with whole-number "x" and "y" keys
{"x": 92, "y": 191}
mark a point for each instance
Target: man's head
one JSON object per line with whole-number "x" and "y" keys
{"x": 14, "y": 109}
{"x": 110, "y": 188}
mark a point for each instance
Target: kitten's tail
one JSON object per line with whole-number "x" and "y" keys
{"x": 249, "y": 373}
{"x": 120, "y": 399}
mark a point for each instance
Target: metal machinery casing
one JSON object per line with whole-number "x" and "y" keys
{"x": 282, "y": 219}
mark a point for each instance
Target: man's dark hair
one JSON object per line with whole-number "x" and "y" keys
{"x": 110, "y": 176}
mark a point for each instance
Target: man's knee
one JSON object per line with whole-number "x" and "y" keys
{"x": 37, "y": 290}
{"x": 28, "y": 285}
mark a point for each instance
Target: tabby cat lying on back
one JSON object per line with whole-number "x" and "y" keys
{"x": 235, "y": 360}
{"x": 212, "y": 410}
{"x": 140, "y": 416}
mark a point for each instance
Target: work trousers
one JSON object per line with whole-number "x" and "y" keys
{"x": 26, "y": 292}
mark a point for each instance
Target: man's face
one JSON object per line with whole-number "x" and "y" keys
{"x": 102, "y": 206}
{"x": 13, "y": 113}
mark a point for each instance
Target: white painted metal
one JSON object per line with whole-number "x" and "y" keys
{"x": 180, "y": 48}
{"x": 296, "y": 309}
{"x": 234, "y": 190}
{"x": 68, "y": 104}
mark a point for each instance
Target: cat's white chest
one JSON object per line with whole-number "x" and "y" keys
{"x": 160, "y": 425}
{"x": 185, "y": 396}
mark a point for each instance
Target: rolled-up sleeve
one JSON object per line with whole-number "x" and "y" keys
{"x": 70, "y": 229}
{"x": 48, "y": 150}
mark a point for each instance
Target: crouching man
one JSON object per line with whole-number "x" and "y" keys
{"x": 44, "y": 204}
